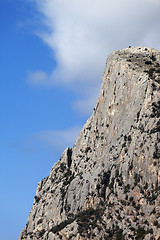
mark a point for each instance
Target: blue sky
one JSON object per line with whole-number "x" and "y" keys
{"x": 52, "y": 58}
{"x": 26, "y": 114}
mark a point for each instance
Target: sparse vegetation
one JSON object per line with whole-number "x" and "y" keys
{"x": 87, "y": 149}
{"x": 126, "y": 188}
{"x": 141, "y": 233}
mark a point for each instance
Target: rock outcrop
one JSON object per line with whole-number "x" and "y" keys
{"x": 108, "y": 185}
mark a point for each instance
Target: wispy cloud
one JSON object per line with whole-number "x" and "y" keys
{"x": 86, "y": 103}
{"x": 58, "y": 140}
{"x": 38, "y": 78}
{"x": 55, "y": 141}
{"x": 82, "y": 33}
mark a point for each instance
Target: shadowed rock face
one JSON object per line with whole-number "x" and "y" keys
{"x": 107, "y": 186}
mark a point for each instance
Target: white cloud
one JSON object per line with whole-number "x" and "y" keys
{"x": 81, "y": 33}
{"x": 38, "y": 78}
{"x": 86, "y": 103}
{"x": 55, "y": 141}
{"x": 58, "y": 140}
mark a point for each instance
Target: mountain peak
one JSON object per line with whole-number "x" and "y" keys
{"x": 107, "y": 186}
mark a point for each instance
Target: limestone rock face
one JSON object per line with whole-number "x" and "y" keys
{"x": 108, "y": 185}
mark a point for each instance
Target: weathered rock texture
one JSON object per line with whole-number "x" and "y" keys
{"x": 107, "y": 186}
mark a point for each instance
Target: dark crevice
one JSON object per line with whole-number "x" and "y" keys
{"x": 69, "y": 157}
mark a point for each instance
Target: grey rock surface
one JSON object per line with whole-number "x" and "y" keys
{"x": 107, "y": 186}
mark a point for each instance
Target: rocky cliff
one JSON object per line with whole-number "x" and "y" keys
{"x": 107, "y": 186}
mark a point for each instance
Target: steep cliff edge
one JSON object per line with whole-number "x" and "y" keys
{"x": 108, "y": 185}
